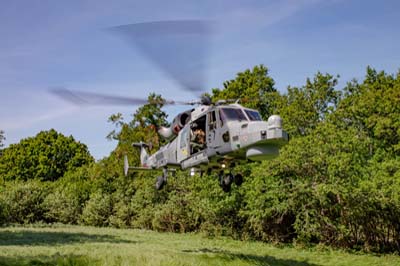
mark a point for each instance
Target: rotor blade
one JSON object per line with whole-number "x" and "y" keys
{"x": 91, "y": 98}
{"x": 178, "y": 47}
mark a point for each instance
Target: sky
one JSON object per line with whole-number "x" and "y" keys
{"x": 46, "y": 44}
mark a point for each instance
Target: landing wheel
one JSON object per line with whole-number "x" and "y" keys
{"x": 209, "y": 171}
{"x": 238, "y": 179}
{"x": 226, "y": 182}
{"x": 160, "y": 182}
{"x": 226, "y": 188}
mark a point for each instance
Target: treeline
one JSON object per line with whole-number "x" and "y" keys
{"x": 337, "y": 182}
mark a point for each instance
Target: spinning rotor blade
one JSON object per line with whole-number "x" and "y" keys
{"x": 178, "y": 47}
{"x": 91, "y": 98}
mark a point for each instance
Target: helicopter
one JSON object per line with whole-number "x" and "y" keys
{"x": 210, "y": 137}
{"x": 213, "y": 136}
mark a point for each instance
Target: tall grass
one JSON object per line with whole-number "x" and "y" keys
{"x": 76, "y": 245}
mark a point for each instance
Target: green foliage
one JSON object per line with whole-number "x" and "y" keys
{"x": 254, "y": 88}
{"x": 326, "y": 188}
{"x": 2, "y": 138}
{"x": 145, "y": 200}
{"x": 302, "y": 109}
{"x": 180, "y": 210}
{"x": 337, "y": 182}
{"x": 145, "y": 120}
{"x": 98, "y": 209}
{"x": 373, "y": 107}
{"x": 3, "y": 210}
{"x": 22, "y": 202}
{"x": 65, "y": 203}
{"x": 375, "y": 205}
{"x": 143, "y": 127}
{"x": 46, "y": 157}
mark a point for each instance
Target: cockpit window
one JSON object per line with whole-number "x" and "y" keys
{"x": 253, "y": 115}
{"x": 232, "y": 114}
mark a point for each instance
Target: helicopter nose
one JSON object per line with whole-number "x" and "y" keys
{"x": 266, "y": 138}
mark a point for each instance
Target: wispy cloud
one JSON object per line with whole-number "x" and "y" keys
{"x": 242, "y": 16}
{"x": 28, "y": 120}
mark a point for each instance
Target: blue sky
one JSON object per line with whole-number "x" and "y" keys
{"x": 63, "y": 43}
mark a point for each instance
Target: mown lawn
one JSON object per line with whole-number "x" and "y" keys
{"x": 76, "y": 245}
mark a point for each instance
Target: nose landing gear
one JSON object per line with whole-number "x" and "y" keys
{"x": 162, "y": 180}
{"x": 226, "y": 180}
{"x": 238, "y": 180}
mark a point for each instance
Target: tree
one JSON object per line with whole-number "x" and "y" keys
{"x": 108, "y": 174}
{"x": 337, "y": 182}
{"x": 302, "y": 109}
{"x": 143, "y": 126}
{"x": 254, "y": 88}
{"x": 2, "y": 138}
{"x": 46, "y": 157}
{"x": 373, "y": 107}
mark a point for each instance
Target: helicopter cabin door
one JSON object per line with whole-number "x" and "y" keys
{"x": 211, "y": 128}
{"x": 218, "y": 132}
{"x": 182, "y": 149}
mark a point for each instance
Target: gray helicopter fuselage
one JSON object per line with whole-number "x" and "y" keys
{"x": 233, "y": 134}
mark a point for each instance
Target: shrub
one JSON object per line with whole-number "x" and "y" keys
{"x": 97, "y": 210}
{"x": 66, "y": 202}
{"x": 23, "y": 201}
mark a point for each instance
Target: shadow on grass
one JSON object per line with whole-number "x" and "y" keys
{"x": 26, "y": 237}
{"x": 253, "y": 259}
{"x": 57, "y": 260}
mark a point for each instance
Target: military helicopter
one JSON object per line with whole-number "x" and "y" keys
{"x": 209, "y": 137}
{"x": 214, "y": 137}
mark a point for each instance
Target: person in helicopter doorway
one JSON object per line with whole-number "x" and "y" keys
{"x": 198, "y": 139}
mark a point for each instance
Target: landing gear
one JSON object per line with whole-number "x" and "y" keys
{"x": 238, "y": 180}
{"x": 225, "y": 181}
{"x": 162, "y": 180}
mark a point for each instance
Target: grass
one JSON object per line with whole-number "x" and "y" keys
{"x": 77, "y": 245}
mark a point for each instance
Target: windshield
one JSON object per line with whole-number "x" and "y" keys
{"x": 232, "y": 114}
{"x": 253, "y": 115}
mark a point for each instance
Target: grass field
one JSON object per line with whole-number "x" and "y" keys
{"x": 75, "y": 245}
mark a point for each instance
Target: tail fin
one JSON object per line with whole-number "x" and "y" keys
{"x": 143, "y": 152}
{"x": 143, "y": 159}
{"x": 126, "y": 165}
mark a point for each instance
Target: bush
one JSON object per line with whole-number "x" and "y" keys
{"x": 374, "y": 207}
{"x": 3, "y": 211}
{"x": 326, "y": 188}
{"x": 97, "y": 210}
{"x": 23, "y": 201}
{"x": 47, "y": 157}
{"x": 65, "y": 204}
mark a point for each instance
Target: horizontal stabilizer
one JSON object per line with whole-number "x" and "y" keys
{"x": 135, "y": 169}
{"x": 140, "y": 144}
{"x": 139, "y": 169}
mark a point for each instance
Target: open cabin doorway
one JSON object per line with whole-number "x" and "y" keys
{"x": 198, "y": 135}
